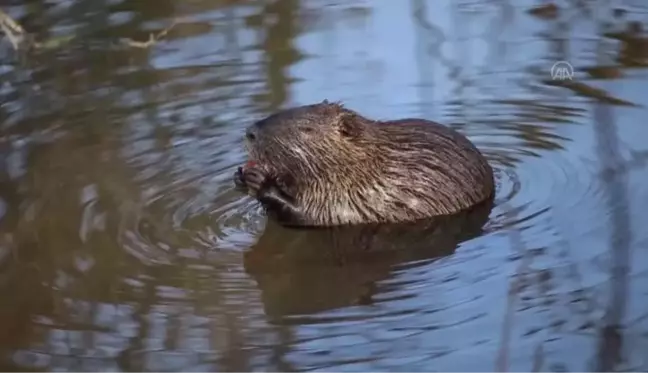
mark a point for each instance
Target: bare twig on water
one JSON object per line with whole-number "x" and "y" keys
{"x": 153, "y": 38}
{"x": 17, "y": 36}
{"x": 11, "y": 29}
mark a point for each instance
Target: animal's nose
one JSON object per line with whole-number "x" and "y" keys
{"x": 250, "y": 134}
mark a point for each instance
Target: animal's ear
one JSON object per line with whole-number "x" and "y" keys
{"x": 349, "y": 126}
{"x": 347, "y": 122}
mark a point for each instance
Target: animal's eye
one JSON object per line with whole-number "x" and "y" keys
{"x": 306, "y": 129}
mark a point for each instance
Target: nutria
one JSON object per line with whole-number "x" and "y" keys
{"x": 326, "y": 165}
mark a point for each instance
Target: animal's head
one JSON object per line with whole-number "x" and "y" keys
{"x": 309, "y": 139}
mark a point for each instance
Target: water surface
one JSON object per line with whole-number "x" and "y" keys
{"x": 123, "y": 245}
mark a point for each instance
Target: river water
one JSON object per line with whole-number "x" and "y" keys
{"x": 123, "y": 245}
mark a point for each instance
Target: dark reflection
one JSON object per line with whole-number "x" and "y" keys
{"x": 611, "y": 333}
{"x": 305, "y": 271}
{"x": 278, "y": 21}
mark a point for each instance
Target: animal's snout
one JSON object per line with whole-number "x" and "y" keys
{"x": 250, "y": 134}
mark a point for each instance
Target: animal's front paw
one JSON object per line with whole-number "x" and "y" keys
{"x": 255, "y": 180}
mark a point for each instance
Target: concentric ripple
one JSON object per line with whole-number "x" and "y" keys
{"x": 188, "y": 200}
{"x": 535, "y": 182}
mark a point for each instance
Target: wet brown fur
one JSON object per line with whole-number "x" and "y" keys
{"x": 341, "y": 168}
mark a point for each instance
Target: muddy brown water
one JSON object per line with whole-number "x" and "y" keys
{"x": 123, "y": 245}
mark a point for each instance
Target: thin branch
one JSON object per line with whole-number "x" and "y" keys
{"x": 17, "y": 36}
{"x": 12, "y": 29}
{"x": 152, "y": 40}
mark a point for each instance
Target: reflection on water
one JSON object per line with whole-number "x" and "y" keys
{"x": 123, "y": 245}
{"x": 304, "y": 272}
